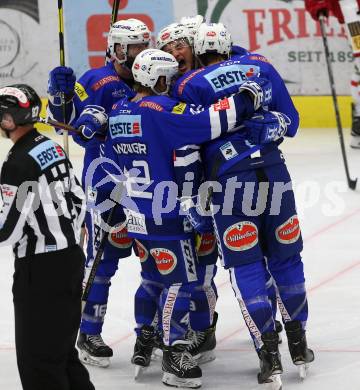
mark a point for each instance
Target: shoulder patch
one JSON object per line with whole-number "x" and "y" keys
{"x": 152, "y": 105}
{"x": 179, "y": 108}
{"x": 80, "y": 92}
{"x": 47, "y": 153}
{"x": 222, "y": 105}
{"x": 259, "y": 58}
{"x": 104, "y": 81}
{"x": 188, "y": 78}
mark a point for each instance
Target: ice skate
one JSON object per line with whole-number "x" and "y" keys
{"x": 270, "y": 363}
{"x": 179, "y": 367}
{"x": 203, "y": 343}
{"x": 143, "y": 350}
{"x": 301, "y": 355}
{"x": 93, "y": 350}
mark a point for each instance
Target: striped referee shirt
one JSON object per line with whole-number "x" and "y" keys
{"x": 43, "y": 204}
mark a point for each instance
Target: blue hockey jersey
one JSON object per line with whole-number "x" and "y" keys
{"x": 207, "y": 85}
{"x": 141, "y": 141}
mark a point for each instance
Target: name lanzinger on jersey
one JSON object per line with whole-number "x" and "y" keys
{"x": 132, "y": 148}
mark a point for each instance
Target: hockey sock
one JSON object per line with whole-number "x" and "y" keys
{"x": 249, "y": 284}
{"x": 175, "y": 307}
{"x": 146, "y": 302}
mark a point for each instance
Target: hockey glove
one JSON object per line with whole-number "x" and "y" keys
{"x": 260, "y": 90}
{"x": 93, "y": 120}
{"x": 61, "y": 80}
{"x": 195, "y": 214}
{"x": 266, "y": 126}
{"x": 317, "y": 8}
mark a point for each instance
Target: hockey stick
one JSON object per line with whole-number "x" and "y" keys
{"x": 62, "y": 63}
{"x": 60, "y": 125}
{"x": 114, "y": 12}
{"x": 100, "y": 251}
{"x": 351, "y": 182}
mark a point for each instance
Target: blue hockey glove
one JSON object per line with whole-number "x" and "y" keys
{"x": 93, "y": 120}
{"x": 260, "y": 90}
{"x": 61, "y": 80}
{"x": 195, "y": 215}
{"x": 266, "y": 126}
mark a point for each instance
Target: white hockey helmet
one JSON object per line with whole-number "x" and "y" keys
{"x": 212, "y": 38}
{"x": 192, "y": 23}
{"x": 173, "y": 32}
{"x": 126, "y": 32}
{"x": 150, "y": 64}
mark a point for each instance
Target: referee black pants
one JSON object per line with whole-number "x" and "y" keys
{"x": 47, "y": 300}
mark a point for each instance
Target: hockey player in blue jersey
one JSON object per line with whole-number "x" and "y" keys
{"x": 93, "y": 96}
{"x": 246, "y": 238}
{"x": 188, "y": 161}
{"x": 139, "y": 150}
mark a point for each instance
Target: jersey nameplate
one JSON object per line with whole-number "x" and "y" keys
{"x": 47, "y": 153}
{"x": 125, "y": 126}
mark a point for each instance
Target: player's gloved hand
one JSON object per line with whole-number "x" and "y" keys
{"x": 195, "y": 214}
{"x": 61, "y": 80}
{"x": 93, "y": 120}
{"x": 266, "y": 126}
{"x": 260, "y": 90}
{"x": 317, "y": 8}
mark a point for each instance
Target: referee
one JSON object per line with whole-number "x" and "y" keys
{"x": 42, "y": 212}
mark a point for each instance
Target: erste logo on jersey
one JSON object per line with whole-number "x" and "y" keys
{"x": 47, "y": 153}
{"x": 125, "y": 126}
{"x": 165, "y": 260}
{"x": 118, "y": 237}
{"x": 228, "y": 76}
{"x": 142, "y": 252}
{"x": 289, "y": 231}
{"x": 241, "y": 236}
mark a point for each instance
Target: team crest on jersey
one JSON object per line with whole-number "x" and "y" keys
{"x": 142, "y": 252}
{"x": 207, "y": 244}
{"x": 165, "y": 260}
{"x": 228, "y": 151}
{"x": 289, "y": 231}
{"x": 125, "y": 126}
{"x": 241, "y": 236}
{"x": 118, "y": 237}
{"x": 47, "y": 153}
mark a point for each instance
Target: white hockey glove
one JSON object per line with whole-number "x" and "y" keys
{"x": 93, "y": 120}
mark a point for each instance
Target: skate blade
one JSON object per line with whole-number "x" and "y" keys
{"x": 86, "y": 358}
{"x": 274, "y": 382}
{"x": 139, "y": 372}
{"x": 185, "y": 383}
{"x": 302, "y": 369}
{"x": 205, "y": 357}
